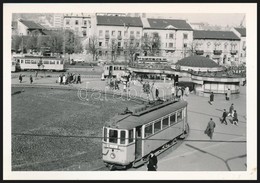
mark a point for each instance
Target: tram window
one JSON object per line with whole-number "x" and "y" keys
{"x": 33, "y": 61}
{"x": 45, "y": 62}
{"x": 157, "y": 126}
{"x": 52, "y": 62}
{"x": 113, "y": 136}
{"x": 27, "y": 62}
{"x": 172, "y": 119}
{"x": 105, "y": 134}
{"x": 57, "y": 62}
{"x": 21, "y": 61}
{"x": 122, "y": 137}
{"x": 165, "y": 122}
{"x": 148, "y": 130}
{"x": 179, "y": 115}
{"x": 131, "y": 136}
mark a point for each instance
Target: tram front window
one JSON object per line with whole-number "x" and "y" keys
{"x": 113, "y": 135}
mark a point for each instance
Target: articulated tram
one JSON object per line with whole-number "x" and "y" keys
{"x": 130, "y": 137}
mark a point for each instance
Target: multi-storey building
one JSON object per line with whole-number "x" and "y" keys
{"x": 81, "y": 24}
{"x": 220, "y": 46}
{"x": 176, "y": 36}
{"x": 27, "y": 27}
{"x": 116, "y": 34}
{"x": 57, "y": 20}
{"x": 241, "y": 33}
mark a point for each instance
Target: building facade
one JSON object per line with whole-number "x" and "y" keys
{"x": 27, "y": 28}
{"x": 221, "y": 46}
{"x": 81, "y": 24}
{"x": 117, "y": 35}
{"x": 241, "y": 33}
{"x": 58, "y": 20}
{"x": 176, "y": 37}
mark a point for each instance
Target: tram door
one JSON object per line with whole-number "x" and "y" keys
{"x": 138, "y": 142}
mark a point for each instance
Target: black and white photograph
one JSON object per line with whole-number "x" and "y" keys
{"x": 104, "y": 91}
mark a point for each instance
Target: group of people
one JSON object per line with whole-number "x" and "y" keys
{"x": 178, "y": 92}
{"x": 21, "y": 78}
{"x": 69, "y": 78}
{"x": 232, "y": 113}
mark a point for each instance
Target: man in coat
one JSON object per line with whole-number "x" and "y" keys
{"x": 156, "y": 92}
{"x": 224, "y": 115}
{"x": 228, "y": 94}
{"x": 231, "y": 110}
{"x": 152, "y": 163}
{"x": 235, "y": 120}
{"x": 211, "y": 98}
{"x": 210, "y": 128}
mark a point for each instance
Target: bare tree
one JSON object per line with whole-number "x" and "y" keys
{"x": 151, "y": 44}
{"x": 113, "y": 48}
{"x": 93, "y": 47}
{"x": 132, "y": 47}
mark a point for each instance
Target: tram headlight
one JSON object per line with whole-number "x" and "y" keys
{"x": 112, "y": 155}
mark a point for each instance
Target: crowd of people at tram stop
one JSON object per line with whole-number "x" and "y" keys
{"x": 70, "y": 78}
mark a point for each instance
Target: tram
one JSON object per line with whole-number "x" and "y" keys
{"x": 114, "y": 70}
{"x": 33, "y": 62}
{"x": 130, "y": 137}
{"x": 151, "y": 60}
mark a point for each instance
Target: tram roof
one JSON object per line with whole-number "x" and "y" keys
{"x": 37, "y": 56}
{"x": 130, "y": 121}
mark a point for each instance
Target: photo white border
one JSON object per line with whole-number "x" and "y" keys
{"x": 250, "y": 9}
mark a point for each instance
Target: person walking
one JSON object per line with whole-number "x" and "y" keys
{"x": 20, "y": 78}
{"x": 179, "y": 93}
{"x": 36, "y": 74}
{"x": 156, "y": 93}
{"x": 173, "y": 91}
{"x": 59, "y": 78}
{"x": 152, "y": 162}
{"x": 64, "y": 79}
{"x": 210, "y": 128}
{"x": 211, "y": 98}
{"x": 224, "y": 116}
{"x": 231, "y": 110}
{"x": 228, "y": 94}
{"x": 79, "y": 79}
{"x": 31, "y": 79}
{"x": 235, "y": 120}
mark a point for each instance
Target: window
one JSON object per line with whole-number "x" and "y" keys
{"x": 171, "y": 36}
{"x": 166, "y": 36}
{"x": 137, "y": 34}
{"x": 100, "y": 43}
{"x": 107, "y": 32}
{"x": 113, "y": 33}
{"x": 185, "y": 45}
{"x": 185, "y": 36}
{"x": 100, "y": 33}
{"x": 119, "y": 44}
{"x": 84, "y": 33}
{"x": 21, "y": 61}
{"x": 85, "y": 22}
{"x": 57, "y": 62}
{"x": 170, "y": 45}
{"x": 33, "y": 61}
{"x": 67, "y": 22}
{"x": 157, "y": 126}
{"x": 106, "y": 43}
{"x": 45, "y": 62}
{"x": 130, "y": 136}
{"x": 27, "y": 62}
{"x": 113, "y": 136}
{"x": 148, "y": 130}
{"x": 179, "y": 115}
{"x": 76, "y": 22}
{"x": 131, "y": 32}
{"x": 122, "y": 137}
{"x": 145, "y": 35}
{"x": 119, "y": 33}
{"x": 52, "y": 62}
{"x": 172, "y": 118}
{"x": 105, "y": 134}
{"x": 165, "y": 122}
{"x": 100, "y": 53}
{"x": 125, "y": 33}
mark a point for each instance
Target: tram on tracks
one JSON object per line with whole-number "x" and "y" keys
{"x": 130, "y": 137}
{"x": 37, "y": 62}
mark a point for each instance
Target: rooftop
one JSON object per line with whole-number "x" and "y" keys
{"x": 242, "y": 31}
{"x": 223, "y": 35}
{"x": 168, "y": 24}
{"x": 31, "y": 24}
{"x": 119, "y": 21}
{"x": 197, "y": 61}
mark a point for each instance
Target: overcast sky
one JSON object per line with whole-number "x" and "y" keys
{"x": 213, "y": 19}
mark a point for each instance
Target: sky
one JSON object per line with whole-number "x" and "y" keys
{"x": 222, "y": 19}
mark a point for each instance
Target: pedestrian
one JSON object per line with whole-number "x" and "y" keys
{"x": 152, "y": 162}
{"x": 173, "y": 91}
{"x": 31, "y": 79}
{"x": 235, "y": 120}
{"x": 211, "y": 98}
{"x": 64, "y": 79}
{"x": 79, "y": 79}
{"x": 210, "y": 128}
{"x": 228, "y": 94}
{"x": 231, "y": 110}
{"x": 224, "y": 115}
{"x": 124, "y": 86}
{"x": 36, "y": 74}
{"x": 59, "y": 79}
{"x": 187, "y": 91}
{"x": 157, "y": 92}
{"x": 20, "y": 78}
{"x": 179, "y": 93}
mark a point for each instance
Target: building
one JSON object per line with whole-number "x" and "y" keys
{"x": 198, "y": 26}
{"x": 116, "y": 34}
{"x": 58, "y": 20}
{"x": 28, "y": 27}
{"x": 176, "y": 36}
{"x": 220, "y": 46}
{"x": 241, "y": 33}
{"x": 81, "y": 24}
